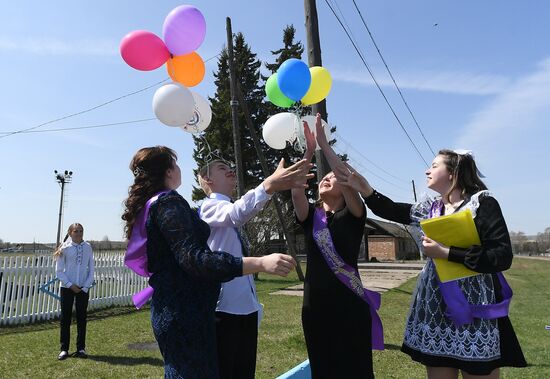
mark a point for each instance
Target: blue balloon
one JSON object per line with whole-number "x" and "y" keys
{"x": 294, "y": 78}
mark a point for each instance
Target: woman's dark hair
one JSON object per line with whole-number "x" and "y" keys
{"x": 149, "y": 166}
{"x": 464, "y": 171}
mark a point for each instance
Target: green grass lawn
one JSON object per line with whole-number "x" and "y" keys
{"x": 31, "y": 351}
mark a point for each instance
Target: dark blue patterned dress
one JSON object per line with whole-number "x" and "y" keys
{"x": 186, "y": 279}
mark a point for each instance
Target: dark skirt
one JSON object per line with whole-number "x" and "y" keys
{"x": 337, "y": 330}
{"x": 511, "y": 354}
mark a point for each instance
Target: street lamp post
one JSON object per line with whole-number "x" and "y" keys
{"x": 61, "y": 178}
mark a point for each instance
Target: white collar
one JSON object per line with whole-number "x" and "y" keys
{"x": 77, "y": 244}
{"x": 219, "y": 196}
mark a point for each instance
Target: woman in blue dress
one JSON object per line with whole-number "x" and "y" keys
{"x": 186, "y": 274}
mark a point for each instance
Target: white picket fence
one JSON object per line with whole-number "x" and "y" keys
{"x": 21, "y": 302}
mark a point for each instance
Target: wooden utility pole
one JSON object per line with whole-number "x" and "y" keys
{"x": 236, "y": 97}
{"x": 234, "y": 112}
{"x": 414, "y": 191}
{"x": 314, "y": 59}
{"x": 276, "y": 199}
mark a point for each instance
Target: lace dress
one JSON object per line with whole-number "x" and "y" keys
{"x": 186, "y": 278}
{"x": 430, "y": 336}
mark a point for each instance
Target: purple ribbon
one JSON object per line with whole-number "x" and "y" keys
{"x": 348, "y": 275}
{"x": 458, "y": 309}
{"x": 136, "y": 252}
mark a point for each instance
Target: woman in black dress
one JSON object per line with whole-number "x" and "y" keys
{"x": 336, "y": 322}
{"x": 186, "y": 274}
{"x": 479, "y": 347}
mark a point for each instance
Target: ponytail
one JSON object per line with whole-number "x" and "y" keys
{"x": 59, "y": 251}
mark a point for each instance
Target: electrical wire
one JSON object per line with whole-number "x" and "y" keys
{"x": 377, "y": 84}
{"x": 392, "y": 78}
{"x": 93, "y": 108}
{"x": 87, "y": 127}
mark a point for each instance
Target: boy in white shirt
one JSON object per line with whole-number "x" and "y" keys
{"x": 238, "y": 310}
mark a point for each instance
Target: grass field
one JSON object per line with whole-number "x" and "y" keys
{"x": 31, "y": 351}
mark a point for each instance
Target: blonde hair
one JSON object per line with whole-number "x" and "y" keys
{"x": 59, "y": 251}
{"x": 204, "y": 172}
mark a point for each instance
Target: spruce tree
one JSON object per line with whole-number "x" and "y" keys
{"x": 219, "y": 134}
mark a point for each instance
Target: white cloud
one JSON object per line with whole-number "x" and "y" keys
{"x": 462, "y": 83}
{"x": 510, "y": 139}
{"x": 50, "y": 46}
{"x": 524, "y": 106}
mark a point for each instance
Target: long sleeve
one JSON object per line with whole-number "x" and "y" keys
{"x": 90, "y": 278}
{"x": 495, "y": 252}
{"x": 180, "y": 227}
{"x": 386, "y": 208}
{"x": 227, "y": 214}
{"x": 60, "y": 271}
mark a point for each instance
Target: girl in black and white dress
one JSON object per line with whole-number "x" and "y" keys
{"x": 478, "y": 348}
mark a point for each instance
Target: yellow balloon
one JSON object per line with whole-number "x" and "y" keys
{"x": 321, "y": 82}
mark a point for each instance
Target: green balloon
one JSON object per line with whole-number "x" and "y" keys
{"x": 274, "y": 93}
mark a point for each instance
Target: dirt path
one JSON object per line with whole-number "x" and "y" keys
{"x": 375, "y": 279}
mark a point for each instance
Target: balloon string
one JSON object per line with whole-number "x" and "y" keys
{"x": 297, "y": 111}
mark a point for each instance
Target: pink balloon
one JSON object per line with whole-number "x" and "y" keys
{"x": 184, "y": 29}
{"x": 143, "y": 50}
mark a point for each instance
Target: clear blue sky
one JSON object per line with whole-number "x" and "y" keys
{"x": 479, "y": 79}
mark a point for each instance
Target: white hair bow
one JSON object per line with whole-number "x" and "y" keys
{"x": 471, "y": 154}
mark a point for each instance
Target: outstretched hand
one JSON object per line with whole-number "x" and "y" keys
{"x": 278, "y": 264}
{"x": 295, "y": 176}
{"x": 347, "y": 176}
{"x": 320, "y": 132}
{"x": 311, "y": 144}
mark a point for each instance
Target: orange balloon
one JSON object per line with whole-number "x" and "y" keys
{"x": 186, "y": 69}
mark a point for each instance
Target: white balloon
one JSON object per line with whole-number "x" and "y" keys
{"x": 202, "y": 115}
{"x": 311, "y": 123}
{"x": 280, "y": 129}
{"x": 173, "y": 104}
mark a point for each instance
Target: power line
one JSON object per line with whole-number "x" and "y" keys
{"x": 93, "y": 108}
{"x": 348, "y": 144}
{"x": 87, "y": 127}
{"x": 392, "y": 78}
{"x": 84, "y": 111}
{"x": 357, "y": 163}
{"x": 376, "y": 83}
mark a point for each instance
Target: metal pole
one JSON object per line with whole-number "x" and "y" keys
{"x": 234, "y": 112}
{"x": 276, "y": 200}
{"x": 60, "y": 213}
{"x": 314, "y": 59}
{"x": 414, "y": 191}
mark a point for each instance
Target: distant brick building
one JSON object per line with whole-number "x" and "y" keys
{"x": 388, "y": 242}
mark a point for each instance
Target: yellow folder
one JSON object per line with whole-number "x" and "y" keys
{"x": 457, "y": 229}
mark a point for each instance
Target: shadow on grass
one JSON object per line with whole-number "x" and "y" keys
{"x": 400, "y": 291}
{"x": 126, "y": 361}
{"x": 98, "y": 314}
{"x": 390, "y": 346}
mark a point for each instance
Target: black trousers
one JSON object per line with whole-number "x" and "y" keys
{"x": 237, "y": 340}
{"x": 68, "y": 298}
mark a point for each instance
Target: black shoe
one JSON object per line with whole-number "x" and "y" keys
{"x": 63, "y": 355}
{"x": 80, "y": 354}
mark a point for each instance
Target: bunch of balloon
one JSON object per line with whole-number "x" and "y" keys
{"x": 294, "y": 82}
{"x": 183, "y": 32}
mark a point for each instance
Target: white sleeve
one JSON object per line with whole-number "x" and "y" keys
{"x": 218, "y": 213}
{"x": 90, "y": 278}
{"x": 60, "y": 271}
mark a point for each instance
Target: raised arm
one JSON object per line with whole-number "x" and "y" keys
{"x": 351, "y": 196}
{"x": 225, "y": 213}
{"x": 299, "y": 199}
{"x": 379, "y": 204}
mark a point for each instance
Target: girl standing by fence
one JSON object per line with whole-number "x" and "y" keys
{"x": 75, "y": 270}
